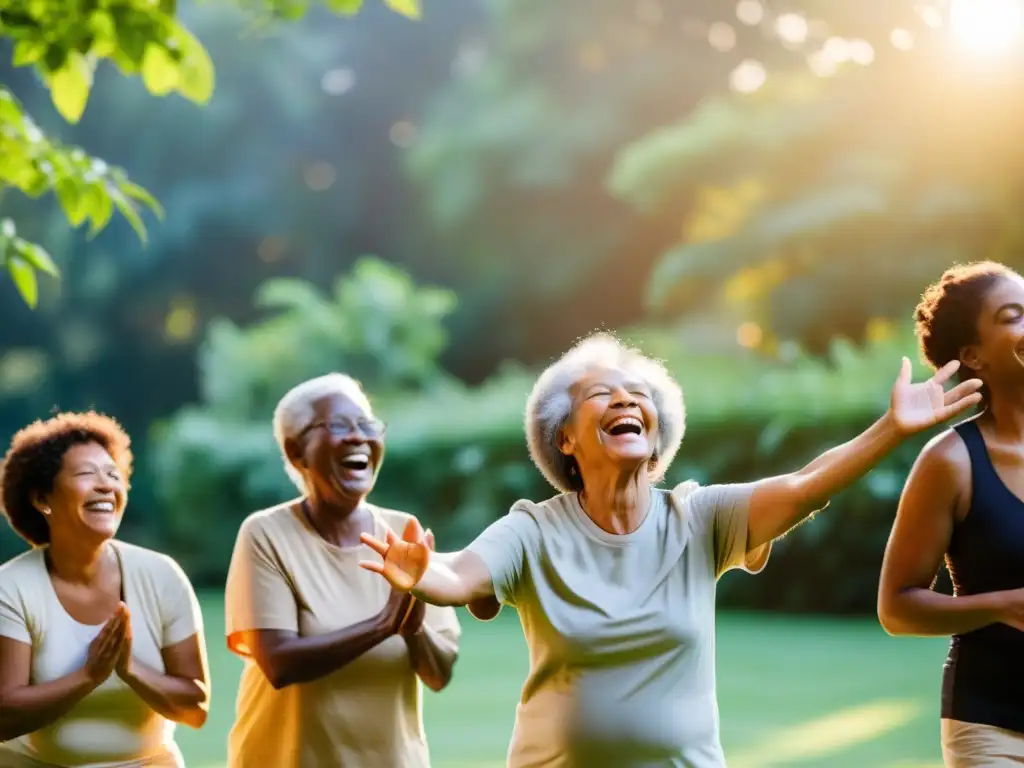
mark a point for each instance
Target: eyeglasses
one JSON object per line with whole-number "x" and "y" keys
{"x": 339, "y": 428}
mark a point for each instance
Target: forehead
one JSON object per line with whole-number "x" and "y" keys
{"x": 1007, "y": 290}
{"x": 87, "y": 454}
{"x": 340, "y": 405}
{"x": 609, "y": 376}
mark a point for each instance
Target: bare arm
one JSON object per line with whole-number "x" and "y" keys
{"x": 287, "y": 658}
{"x": 937, "y": 489}
{"x": 25, "y": 707}
{"x": 779, "y": 504}
{"x": 432, "y": 655}
{"x": 455, "y": 579}
{"x": 182, "y": 694}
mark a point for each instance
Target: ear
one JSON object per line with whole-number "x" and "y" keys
{"x": 40, "y": 503}
{"x": 565, "y": 443}
{"x": 293, "y": 451}
{"x": 970, "y": 357}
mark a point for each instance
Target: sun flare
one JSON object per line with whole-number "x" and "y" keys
{"x": 986, "y": 26}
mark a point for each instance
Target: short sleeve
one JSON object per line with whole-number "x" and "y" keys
{"x": 445, "y": 621}
{"x": 503, "y": 546}
{"x": 13, "y": 614}
{"x": 258, "y": 594}
{"x": 182, "y": 617}
{"x": 724, "y": 510}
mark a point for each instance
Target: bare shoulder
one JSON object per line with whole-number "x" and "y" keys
{"x": 946, "y": 452}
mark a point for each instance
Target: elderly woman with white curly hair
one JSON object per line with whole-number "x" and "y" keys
{"x": 334, "y": 658}
{"x": 614, "y": 579}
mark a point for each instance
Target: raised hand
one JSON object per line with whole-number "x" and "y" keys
{"x": 106, "y": 649}
{"x": 404, "y": 560}
{"x": 916, "y": 407}
{"x": 418, "y": 612}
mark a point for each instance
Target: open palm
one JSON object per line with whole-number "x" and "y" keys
{"x": 404, "y": 560}
{"x": 916, "y": 407}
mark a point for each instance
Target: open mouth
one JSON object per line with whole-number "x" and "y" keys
{"x": 625, "y": 425}
{"x": 356, "y": 462}
{"x": 100, "y": 506}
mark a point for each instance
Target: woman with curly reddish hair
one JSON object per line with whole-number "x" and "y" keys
{"x": 101, "y": 642}
{"x": 964, "y": 502}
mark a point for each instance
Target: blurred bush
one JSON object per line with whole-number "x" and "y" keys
{"x": 456, "y": 455}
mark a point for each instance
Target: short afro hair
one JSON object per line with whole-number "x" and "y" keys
{"x": 946, "y": 319}
{"x": 35, "y": 457}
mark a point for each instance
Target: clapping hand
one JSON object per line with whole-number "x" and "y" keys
{"x": 916, "y": 407}
{"x": 110, "y": 646}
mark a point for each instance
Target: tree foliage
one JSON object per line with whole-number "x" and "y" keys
{"x": 824, "y": 201}
{"x": 65, "y": 41}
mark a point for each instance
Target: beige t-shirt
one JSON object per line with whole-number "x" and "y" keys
{"x": 111, "y": 726}
{"x": 620, "y": 628}
{"x": 284, "y": 576}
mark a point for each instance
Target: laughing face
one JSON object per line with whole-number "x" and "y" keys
{"x": 88, "y": 496}
{"x": 999, "y": 354}
{"x": 340, "y": 452}
{"x": 614, "y": 420}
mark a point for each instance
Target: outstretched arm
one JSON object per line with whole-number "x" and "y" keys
{"x": 780, "y": 503}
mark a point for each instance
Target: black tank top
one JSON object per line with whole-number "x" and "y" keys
{"x": 983, "y": 679}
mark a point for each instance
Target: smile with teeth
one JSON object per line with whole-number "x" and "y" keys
{"x": 625, "y": 425}
{"x": 355, "y": 461}
{"x": 100, "y": 506}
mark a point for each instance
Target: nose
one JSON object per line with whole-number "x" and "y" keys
{"x": 621, "y": 398}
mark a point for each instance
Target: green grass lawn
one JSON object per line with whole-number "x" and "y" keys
{"x": 792, "y": 691}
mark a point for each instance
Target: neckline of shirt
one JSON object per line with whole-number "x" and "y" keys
{"x": 594, "y": 531}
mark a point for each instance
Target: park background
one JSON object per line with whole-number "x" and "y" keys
{"x": 439, "y": 200}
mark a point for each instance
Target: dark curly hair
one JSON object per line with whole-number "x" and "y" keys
{"x": 35, "y": 457}
{"x": 947, "y": 316}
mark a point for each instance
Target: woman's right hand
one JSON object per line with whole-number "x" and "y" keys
{"x": 107, "y": 647}
{"x": 404, "y": 560}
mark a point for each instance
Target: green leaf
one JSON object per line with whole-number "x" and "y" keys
{"x": 24, "y": 278}
{"x": 128, "y": 210}
{"x": 195, "y": 72}
{"x": 135, "y": 192}
{"x": 345, "y": 7}
{"x": 159, "y": 70}
{"x": 409, "y": 8}
{"x": 36, "y": 256}
{"x": 70, "y": 86}
{"x": 71, "y": 196}
{"x": 28, "y": 52}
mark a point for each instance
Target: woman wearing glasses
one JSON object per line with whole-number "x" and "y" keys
{"x": 334, "y": 658}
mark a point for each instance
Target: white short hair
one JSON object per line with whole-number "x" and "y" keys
{"x": 550, "y": 405}
{"x": 294, "y": 412}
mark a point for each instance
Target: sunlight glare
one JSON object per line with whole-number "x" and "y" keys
{"x": 986, "y": 26}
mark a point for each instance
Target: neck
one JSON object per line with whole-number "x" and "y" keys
{"x": 338, "y": 521}
{"x": 74, "y": 564}
{"x": 617, "y": 503}
{"x": 1006, "y": 410}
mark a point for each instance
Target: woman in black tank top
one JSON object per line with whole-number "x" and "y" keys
{"x": 964, "y": 501}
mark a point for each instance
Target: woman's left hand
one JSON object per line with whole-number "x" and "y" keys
{"x": 916, "y": 407}
{"x": 124, "y": 659}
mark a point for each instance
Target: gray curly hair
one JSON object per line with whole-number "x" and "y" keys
{"x": 294, "y": 412}
{"x": 550, "y": 405}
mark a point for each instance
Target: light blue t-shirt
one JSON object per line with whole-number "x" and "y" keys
{"x": 620, "y": 628}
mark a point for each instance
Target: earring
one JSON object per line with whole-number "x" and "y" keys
{"x": 45, "y": 510}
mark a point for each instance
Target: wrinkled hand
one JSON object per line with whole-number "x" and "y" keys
{"x": 418, "y": 613}
{"x": 916, "y": 407}
{"x": 107, "y": 648}
{"x": 405, "y": 559}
